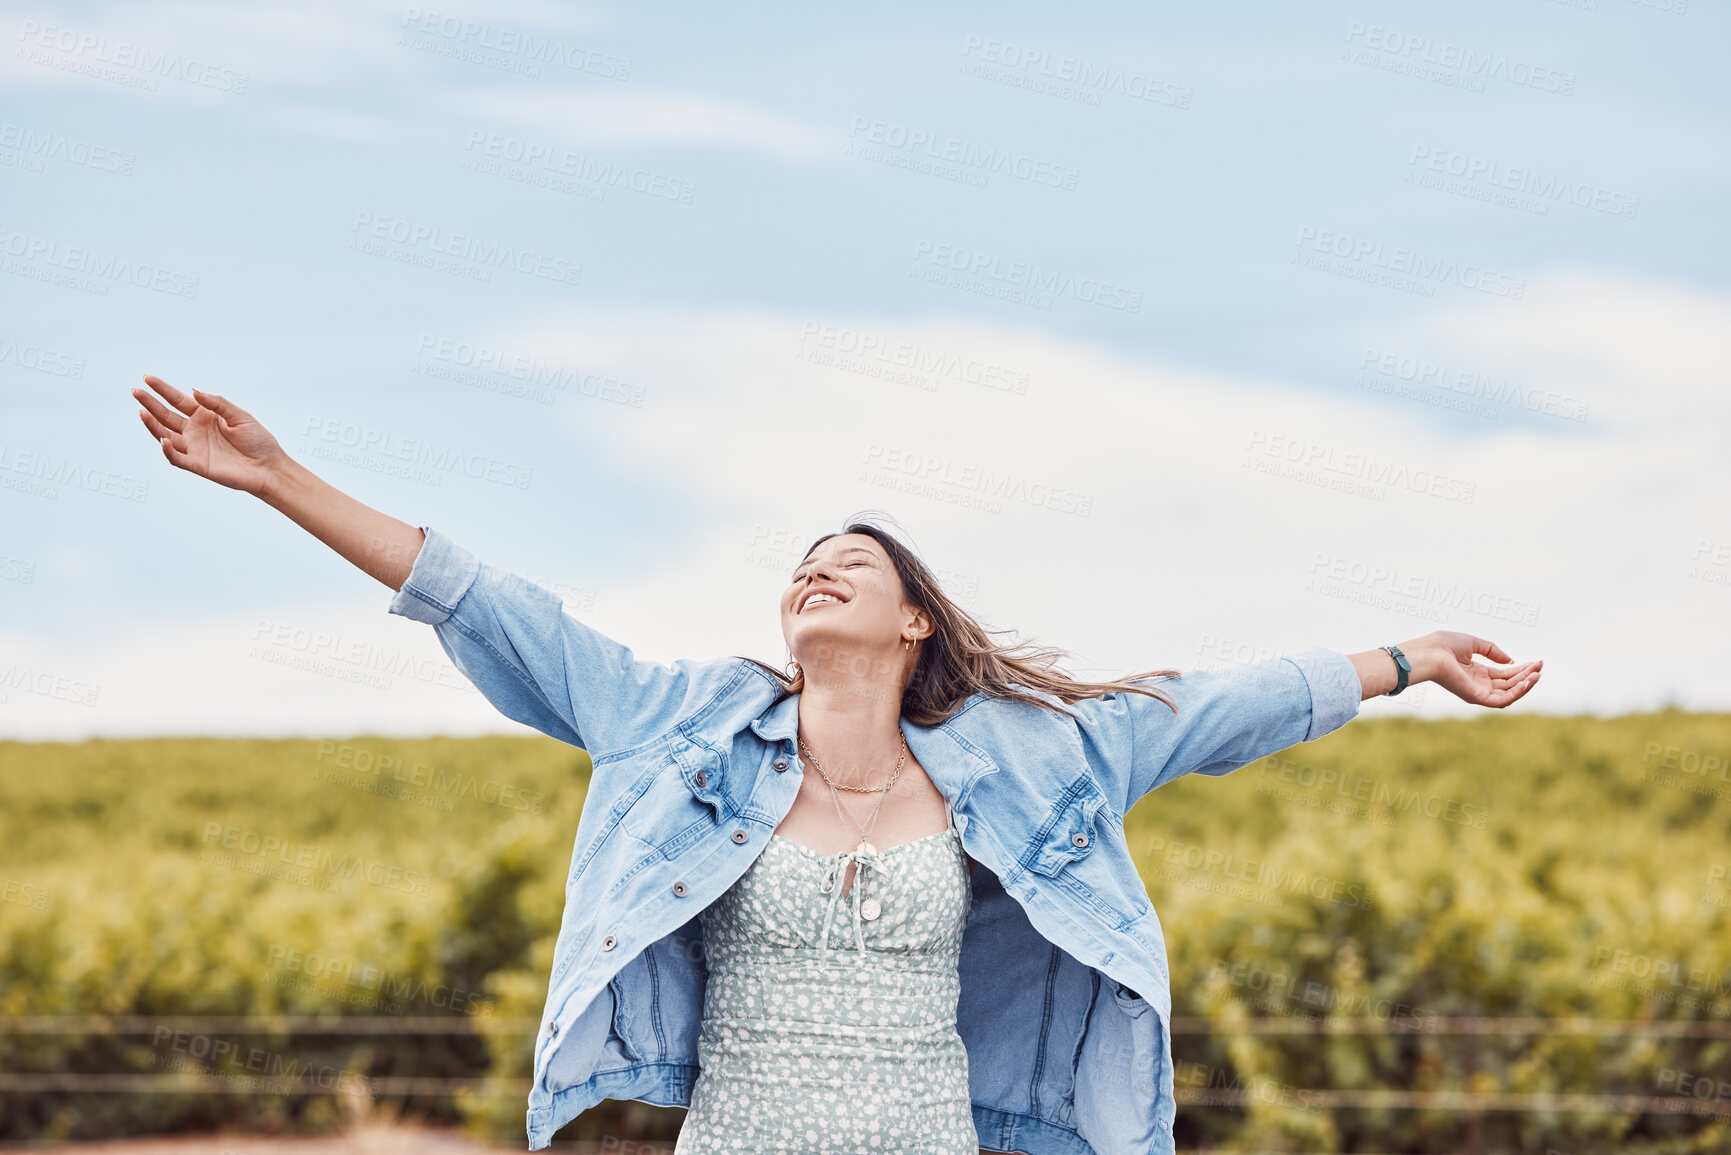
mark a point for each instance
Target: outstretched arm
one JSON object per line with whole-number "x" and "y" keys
{"x": 1446, "y": 658}
{"x": 213, "y": 437}
{"x": 511, "y": 638}
{"x": 1227, "y": 719}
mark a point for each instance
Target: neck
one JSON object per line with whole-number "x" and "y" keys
{"x": 853, "y": 729}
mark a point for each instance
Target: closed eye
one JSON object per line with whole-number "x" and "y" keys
{"x": 845, "y": 565}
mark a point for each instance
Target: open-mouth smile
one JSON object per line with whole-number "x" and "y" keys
{"x": 819, "y": 598}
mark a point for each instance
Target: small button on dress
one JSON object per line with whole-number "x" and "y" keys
{"x": 826, "y": 1030}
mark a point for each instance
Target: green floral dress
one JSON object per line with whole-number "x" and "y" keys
{"x": 829, "y": 1021}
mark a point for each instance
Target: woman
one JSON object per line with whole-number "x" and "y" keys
{"x": 815, "y": 962}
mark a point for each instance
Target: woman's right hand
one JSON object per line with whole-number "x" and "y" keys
{"x": 211, "y": 436}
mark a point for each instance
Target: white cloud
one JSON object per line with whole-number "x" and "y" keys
{"x": 339, "y": 124}
{"x": 1591, "y": 525}
{"x": 1646, "y": 350}
{"x": 1185, "y": 549}
{"x": 276, "y": 52}
{"x": 642, "y": 117}
{"x": 311, "y": 670}
{"x": 311, "y": 42}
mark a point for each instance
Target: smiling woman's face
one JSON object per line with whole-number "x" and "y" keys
{"x": 846, "y": 602}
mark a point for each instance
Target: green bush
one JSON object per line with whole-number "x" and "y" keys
{"x": 1509, "y": 865}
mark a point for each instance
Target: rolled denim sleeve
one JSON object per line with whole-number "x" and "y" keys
{"x": 442, "y": 574}
{"x": 1226, "y": 719}
{"x": 536, "y": 663}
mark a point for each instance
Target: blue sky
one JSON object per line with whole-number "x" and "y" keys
{"x": 1174, "y": 336}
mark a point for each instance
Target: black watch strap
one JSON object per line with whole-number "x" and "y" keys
{"x": 1402, "y": 667}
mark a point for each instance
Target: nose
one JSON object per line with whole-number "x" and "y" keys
{"x": 818, "y": 571}
{"x": 815, "y": 574}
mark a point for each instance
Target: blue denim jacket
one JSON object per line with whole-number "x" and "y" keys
{"x": 1064, "y": 989}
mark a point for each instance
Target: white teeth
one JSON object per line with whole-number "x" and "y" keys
{"x": 816, "y": 599}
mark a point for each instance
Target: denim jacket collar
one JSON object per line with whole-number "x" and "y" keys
{"x": 952, "y": 766}
{"x": 779, "y": 723}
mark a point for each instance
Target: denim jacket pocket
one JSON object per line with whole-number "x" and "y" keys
{"x": 1128, "y": 1000}
{"x": 621, "y": 1029}
{"x": 678, "y": 798}
{"x": 1069, "y": 832}
{"x": 704, "y": 769}
{"x": 1068, "y": 851}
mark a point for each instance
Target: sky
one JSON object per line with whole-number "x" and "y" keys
{"x": 1171, "y": 335}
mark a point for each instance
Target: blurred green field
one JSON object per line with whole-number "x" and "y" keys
{"x": 1397, "y": 871}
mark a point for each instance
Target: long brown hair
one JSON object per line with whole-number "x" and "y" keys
{"x": 960, "y": 658}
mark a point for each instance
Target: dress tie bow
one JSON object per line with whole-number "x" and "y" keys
{"x": 831, "y": 886}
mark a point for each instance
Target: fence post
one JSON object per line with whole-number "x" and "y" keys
{"x": 1475, "y": 1118}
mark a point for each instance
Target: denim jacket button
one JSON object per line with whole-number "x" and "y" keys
{"x": 740, "y": 836}
{"x": 552, "y": 1030}
{"x": 702, "y": 778}
{"x": 680, "y": 888}
{"x": 780, "y": 763}
{"x": 608, "y": 942}
{"x": 1080, "y": 838}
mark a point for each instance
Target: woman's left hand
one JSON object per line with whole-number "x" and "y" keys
{"x": 1446, "y": 658}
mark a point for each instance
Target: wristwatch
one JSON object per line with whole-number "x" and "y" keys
{"x": 1402, "y": 666}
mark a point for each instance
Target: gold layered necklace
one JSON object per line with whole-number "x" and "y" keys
{"x": 870, "y": 908}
